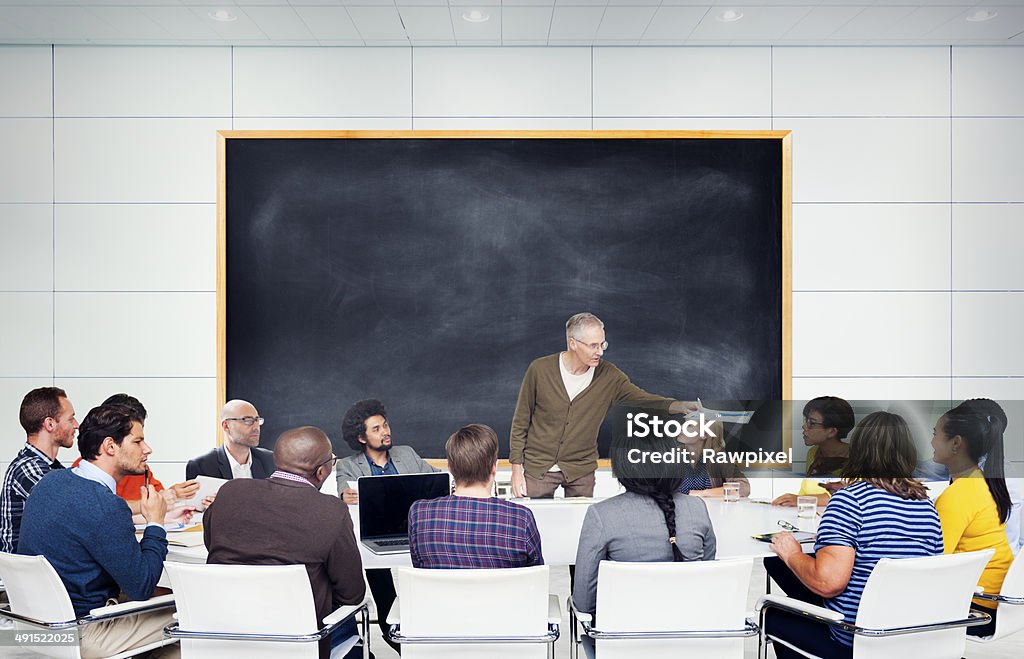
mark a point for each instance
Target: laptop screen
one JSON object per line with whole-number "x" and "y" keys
{"x": 384, "y": 501}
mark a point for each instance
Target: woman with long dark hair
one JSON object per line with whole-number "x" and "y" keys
{"x": 650, "y": 521}
{"x": 974, "y": 508}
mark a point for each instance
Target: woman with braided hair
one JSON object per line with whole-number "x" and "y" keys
{"x": 649, "y": 522}
{"x": 973, "y": 510}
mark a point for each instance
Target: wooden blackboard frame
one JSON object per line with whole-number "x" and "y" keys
{"x": 783, "y": 136}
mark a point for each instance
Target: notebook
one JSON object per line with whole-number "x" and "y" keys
{"x": 384, "y": 503}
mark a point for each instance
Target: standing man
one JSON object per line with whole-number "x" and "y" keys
{"x": 76, "y": 520}
{"x": 240, "y": 456}
{"x": 365, "y": 428}
{"x": 286, "y": 520}
{"x": 49, "y": 422}
{"x": 562, "y": 402}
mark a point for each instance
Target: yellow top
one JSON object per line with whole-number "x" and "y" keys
{"x": 970, "y": 522}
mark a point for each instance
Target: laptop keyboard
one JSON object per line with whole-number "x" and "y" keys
{"x": 390, "y": 543}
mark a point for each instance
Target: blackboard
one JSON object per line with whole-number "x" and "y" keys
{"x": 429, "y": 272}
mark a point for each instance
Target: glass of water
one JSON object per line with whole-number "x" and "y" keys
{"x": 730, "y": 492}
{"x": 806, "y": 506}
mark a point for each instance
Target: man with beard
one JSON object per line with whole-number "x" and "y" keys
{"x": 75, "y": 519}
{"x": 240, "y": 456}
{"x": 49, "y": 422}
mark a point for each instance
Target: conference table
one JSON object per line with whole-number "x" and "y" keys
{"x": 560, "y": 520}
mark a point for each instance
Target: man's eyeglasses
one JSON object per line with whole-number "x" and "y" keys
{"x": 593, "y": 346}
{"x": 247, "y": 420}
{"x": 333, "y": 460}
{"x": 810, "y": 423}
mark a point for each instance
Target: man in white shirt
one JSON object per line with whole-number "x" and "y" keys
{"x": 240, "y": 456}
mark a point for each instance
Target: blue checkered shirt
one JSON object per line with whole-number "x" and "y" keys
{"x": 465, "y": 532}
{"x": 28, "y": 468}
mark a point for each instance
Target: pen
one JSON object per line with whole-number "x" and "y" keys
{"x": 147, "y": 477}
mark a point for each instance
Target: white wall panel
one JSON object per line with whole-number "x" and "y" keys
{"x": 872, "y": 388}
{"x": 501, "y": 123}
{"x": 492, "y": 82}
{"x": 182, "y": 416}
{"x": 987, "y": 240}
{"x": 135, "y": 335}
{"x": 682, "y": 82}
{"x": 875, "y": 160}
{"x": 850, "y": 82}
{"x": 26, "y": 160}
{"x": 133, "y": 160}
{"x": 871, "y": 247}
{"x": 26, "y": 247}
{"x": 142, "y": 82}
{"x": 984, "y": 82}
{"x": 26, "y": 335}
{"x": 682, "y": 123}
{"x": 986, "y": 334}
{"x": 871, "y": 334}
{"x": 323, "y": 123}
{"x": 987, "y": 163}
{"x": 168, "y": 248}
{"x": 26, "y": 82}
{"x": 329, "y": 82}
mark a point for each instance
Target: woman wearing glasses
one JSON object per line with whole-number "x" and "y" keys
{"x": 827, "y": 421}
{"x": 882, "y": 512}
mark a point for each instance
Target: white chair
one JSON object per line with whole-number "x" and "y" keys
{"x": 39, "y": 602}
{"x": 911, "y": 607}
{"x": 655, "y": 610}
{"x": 474, "y": 613}
{"x": 1010, "y": 608}
{"x": 253, "y": 611}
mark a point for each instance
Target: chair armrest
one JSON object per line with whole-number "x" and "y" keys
{"x": 554, "y": 611}
{"x": 797, "y": 606}
{"x": 128, "y": 608}
{"x": 580, "y": 615}
{"x": 342, "y": 613}
{"x": 395, "y": 614}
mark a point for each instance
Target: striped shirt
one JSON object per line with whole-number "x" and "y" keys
{"x": 877, "y": 525}
{"x": 28, "y": 468}
{"x": 464, "y": 532}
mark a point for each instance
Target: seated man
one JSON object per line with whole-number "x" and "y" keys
{"x": 240, "y": 456}
{"x": 75, "y": 519}
{"x": 472, "y": 528}
{"x": 286, "y": 520}
{"x": 49, "y": 421}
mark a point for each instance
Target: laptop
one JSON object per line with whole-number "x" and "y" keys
{"x": 384, "y": 503}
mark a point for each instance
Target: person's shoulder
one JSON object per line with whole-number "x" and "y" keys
{"x": 606, "y": 369}
{"x": 400, "y": 450}
{"x": 206, "y": 457}
{"x": 547, "y": 361}
{"x": 263, "y": 455}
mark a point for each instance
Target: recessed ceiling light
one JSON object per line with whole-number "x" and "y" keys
{"x": 476, "y": 16}
{"x": 730, "y": 16}
{"x": 222, "y": 15}
{"x": 981, "y": 15}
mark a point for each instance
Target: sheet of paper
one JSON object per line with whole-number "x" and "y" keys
{"x": 208, "y": 486}
{"x": 727, "y": 416}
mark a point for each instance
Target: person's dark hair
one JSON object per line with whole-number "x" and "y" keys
{"x": 104, "y": 421}
{"x": 981, "y": 423}
{"x": 882, "y": 454}
{"x": 131, "y": 402}
{"x": 353, "y": 424}
{"x": 472, "y": 451}
{"x": 835, "y": 413}
{"x": 658, "y": 481}
{"x": 39, "y": 405}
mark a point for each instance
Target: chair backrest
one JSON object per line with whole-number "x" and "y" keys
{"x": 1010, "y": 617}
{"x": 908, "y": 592}
{"x": 473, "y": 603}
{"x": 245, "y": 599}
{"x": 687, "y": 596}
{"x": 35, "y": 590}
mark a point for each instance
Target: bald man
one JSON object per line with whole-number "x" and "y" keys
{"x": 286, "y": 520}
{"x": 240, "y": 456}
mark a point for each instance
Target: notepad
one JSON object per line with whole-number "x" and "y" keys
{"x": 800, "y": 536}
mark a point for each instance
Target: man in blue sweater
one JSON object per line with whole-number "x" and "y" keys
{"x": 76, "y": 520}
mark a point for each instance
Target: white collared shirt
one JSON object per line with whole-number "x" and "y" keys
{"x": 91, "y": 472}
{"x": 239, "y": 470}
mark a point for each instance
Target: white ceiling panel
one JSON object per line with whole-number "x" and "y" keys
{"x": 764, "y": 23}
{"x": 469, "y": 4}
{"x": 673, "y": 24}
{"x": 1008, "y": 22}
{"x": 329, "y": 23}
{"x": 919, "y": 22}
{"x": 821, "y": 22}
{"x": 181, "y": 23}
{"x": 624, "y": 23}
{"x": 525, "y": 24}
{"x": 131, "y": 23}
{"x": 378, "y": 24}
{"x": 467, "y": 33}
{"x": 872, "y": 21}
{"x": 278, "y": 22}
{"x": 241, "y": 29}
{"x": 575, "y": 24}
{"x": 427, "y": 23}
{"x": 523, "y": 3}
{"x": 421, "y": 3}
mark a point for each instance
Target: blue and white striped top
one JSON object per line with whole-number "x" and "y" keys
{"x": 877, "y": 525}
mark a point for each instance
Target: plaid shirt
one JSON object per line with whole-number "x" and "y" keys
{"x": 464, "y": 532}
{"x": 28, "y": 468}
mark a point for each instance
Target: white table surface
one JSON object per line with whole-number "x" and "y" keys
{"x": 559, "y": 522}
